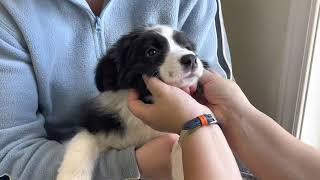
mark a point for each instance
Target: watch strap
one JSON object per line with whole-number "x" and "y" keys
{"x": 196, "y": 123}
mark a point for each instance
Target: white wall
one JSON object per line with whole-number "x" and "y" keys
{"x": 257, "y": 31}
{"x": 310, "y": 131}
{"x": 311, "y": 124}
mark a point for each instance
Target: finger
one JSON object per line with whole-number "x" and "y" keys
{"x": 208, "y": 76}
{"x": 139, "y": 108}
{"x": 186, "y": 89}
{"x": 155, "y": 85}
{"x": 200, "y": 99}
{"x": 133, "y": 95}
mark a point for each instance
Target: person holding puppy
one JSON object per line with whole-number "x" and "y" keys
{"x": 265, "y": 147}
{"x": 48, "y": 53}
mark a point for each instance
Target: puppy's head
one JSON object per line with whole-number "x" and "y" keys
{"x": 155, "y": 51}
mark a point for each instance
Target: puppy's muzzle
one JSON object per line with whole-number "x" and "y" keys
{"x": 189, "y": 62}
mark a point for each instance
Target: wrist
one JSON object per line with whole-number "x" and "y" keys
{"x": 205, "y": 131}
{"x": 201, "y": 111}
{"x": 230, "y": 115}
{"x": 197, "y": 123}
{"x": 236, "y": 123}
{"x": 186, "y": 116}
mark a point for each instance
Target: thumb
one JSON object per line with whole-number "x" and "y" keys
{"x": 208, "y": 76}
{"x": 155, "y": 85}
{"x": 137, "y": 107}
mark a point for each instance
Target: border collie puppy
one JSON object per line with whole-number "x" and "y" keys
{"x": 155, "y": 51}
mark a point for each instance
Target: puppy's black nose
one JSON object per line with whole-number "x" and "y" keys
{"x": 189, "y": 61}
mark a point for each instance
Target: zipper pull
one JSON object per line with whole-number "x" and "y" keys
{"x": 98, "y": 24}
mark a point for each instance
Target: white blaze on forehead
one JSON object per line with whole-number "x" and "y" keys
{"x": 172, "y": 71}
{"x": 168, "y": 33}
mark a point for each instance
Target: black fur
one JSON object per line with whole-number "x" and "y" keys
{"x": 126, "y": 61}
{"x": 123, "y": 67}
{"x": 205, "y": 64}
{"x": 4, "y": 177}
{"x": 95, "y": 119}
{"x": 105, "y": 122}
{"x": 181, "y": 39}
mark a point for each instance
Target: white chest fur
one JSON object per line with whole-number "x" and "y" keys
{"x": 86, "y": 147}
{"x": 136, "y": 132}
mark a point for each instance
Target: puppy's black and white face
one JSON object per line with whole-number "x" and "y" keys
{"x": 155, "y": 51}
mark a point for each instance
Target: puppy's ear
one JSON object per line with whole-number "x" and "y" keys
{"x": 107, "y": 72}
{"x": 111, "y": 68}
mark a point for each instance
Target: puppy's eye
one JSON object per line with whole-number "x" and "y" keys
{"x": 189, "y": 48}
{"x": 151, "y": 52}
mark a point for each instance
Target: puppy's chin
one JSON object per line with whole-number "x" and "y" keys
{"x": 189, "y": 85}
{"x": 187, "y": 81}
{"x": 191, "y": 89}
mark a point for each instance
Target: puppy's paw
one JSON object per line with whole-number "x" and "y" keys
{"x": 73, "y": 176}
{"x": 79, "y": 158}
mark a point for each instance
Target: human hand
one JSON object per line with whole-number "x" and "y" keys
{"x": 224, "y": 97}
{"x": 171, "y": 109}
{"x": 159, "y": 151}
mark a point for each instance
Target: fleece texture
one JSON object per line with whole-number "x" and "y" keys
{"x": 48, "y": 53}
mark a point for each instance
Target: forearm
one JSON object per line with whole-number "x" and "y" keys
{"x": 159, "y": 167}
{"x": 268, "y": 150}
{"x": 212, "y": 157}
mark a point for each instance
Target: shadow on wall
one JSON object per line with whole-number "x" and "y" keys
{"x": 256, "y": 32}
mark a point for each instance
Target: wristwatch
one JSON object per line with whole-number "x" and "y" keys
{"x": 194, "y": 124}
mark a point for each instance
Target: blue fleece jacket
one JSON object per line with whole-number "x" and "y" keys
{"x": 48, "y": 53}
